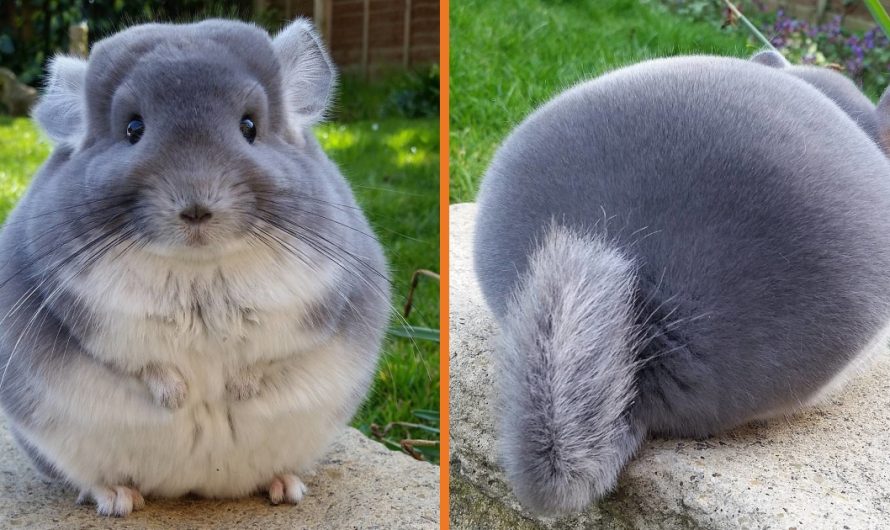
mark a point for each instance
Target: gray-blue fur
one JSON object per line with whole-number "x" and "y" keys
{"x": 747, "y": 212}
{"x": 836, "y": 86}
{"x": 191, "y": 84}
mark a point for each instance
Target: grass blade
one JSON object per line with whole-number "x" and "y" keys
{"x": 879, "y": 14}
{"x": 751, "y": 27}
{"x": 414, "y": 332}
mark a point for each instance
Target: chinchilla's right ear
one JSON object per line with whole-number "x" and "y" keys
{"x": 883, "y": 112}
{"x": 60, "y": 112}
{"x": 770, "y": 58}
{"x": 309, "y": 75}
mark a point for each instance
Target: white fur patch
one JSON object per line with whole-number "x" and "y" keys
{"x": 109, "y": 429}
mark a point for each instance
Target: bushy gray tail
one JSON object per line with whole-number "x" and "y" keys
{"x": 567, "y": 374}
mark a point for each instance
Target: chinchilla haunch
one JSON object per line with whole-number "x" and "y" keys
{"x": 677, "y": 248}
{"x": 191, "y": 300}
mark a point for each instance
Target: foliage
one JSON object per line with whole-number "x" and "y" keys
{"x": 409, "y": 94}
{"x": 31, "y": 31}
{"x": 501, "y": 71}
{"x": 22, "y": 150}
{"x": 864, "y": 56}
{"x": 879, "y": 13}
{"x": 393, "y": 166}
{"x": 418, "y": 97}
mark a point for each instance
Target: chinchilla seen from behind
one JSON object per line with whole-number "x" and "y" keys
{"x": 676, "y": 248}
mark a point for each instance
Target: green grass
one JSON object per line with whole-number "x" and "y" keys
{"x": 22, "y": 150}
{"x": 510, "y": 56}
{"x": 393, "y": 167}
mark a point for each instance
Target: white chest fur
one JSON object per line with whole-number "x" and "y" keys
{"x": 210, "y": 323}
{"x": 245, "y": 309}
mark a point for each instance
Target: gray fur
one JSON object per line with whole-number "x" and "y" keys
{"x": 770, "y": 58}
{"x": 566, "y": 376}
{"x": 753, "y": 211}
{"x": 99, "y": 195}
{"x": 836, "y": 86}
{"x": 60, "y": 110}
{"x": 883, "y": 112}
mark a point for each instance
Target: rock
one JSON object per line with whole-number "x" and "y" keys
{"x": 827, "y": 467}
{"x": 360, "y": 484}
{"x": 16, "y": 97}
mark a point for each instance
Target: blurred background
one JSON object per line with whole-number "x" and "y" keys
{"x": 383, "y": 132}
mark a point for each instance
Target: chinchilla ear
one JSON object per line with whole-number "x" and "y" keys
{"x": 60, "y": 112}
{"x": 884, "y": 120}
{"x": 770, "y": 58}
{"x": 307, "y": 72}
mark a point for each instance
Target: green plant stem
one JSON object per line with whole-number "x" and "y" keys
{"x": 879, "y": 14}
{"x": 751, "y": 27}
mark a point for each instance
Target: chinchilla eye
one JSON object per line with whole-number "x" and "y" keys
{"x": 248, "y": 129}
{"x": 135, "y": 129}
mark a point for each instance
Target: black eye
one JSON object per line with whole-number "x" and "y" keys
{"x": 135, "y": 129}
{"x": 248, "y": 129}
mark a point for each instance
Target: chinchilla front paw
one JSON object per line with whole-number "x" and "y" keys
{"x": 116, "y": 501}
{"x": 286, "y": 488}
{"x": 245, "y": 385}
{"x": 166, "y": 384}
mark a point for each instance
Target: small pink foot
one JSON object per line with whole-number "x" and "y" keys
{"x": 118, "y": 501}
{"x": 286, "y": 488}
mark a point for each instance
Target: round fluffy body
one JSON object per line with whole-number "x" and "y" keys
{"x": 747, "y": 213}
{"x": 141, "y": 350}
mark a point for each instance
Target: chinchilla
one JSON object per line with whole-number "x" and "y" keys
{"x": 837, "y": 87}
{"x": 677, "y": 248}
{"x": 191, "y": 300}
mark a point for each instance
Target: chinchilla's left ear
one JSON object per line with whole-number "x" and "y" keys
{"x": 883, "y": 111}
{"x": 61, "y": 112}
{"x": 770, "y": 58}
{"x": 307, "y": 72}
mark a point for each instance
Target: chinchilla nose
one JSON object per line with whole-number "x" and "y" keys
{"x": 195, "y": 214}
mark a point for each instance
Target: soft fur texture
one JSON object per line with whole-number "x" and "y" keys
{"x": 838, "y": 88}
{"x": 142, "y": 354}
{"x": 567, "y": 378}
{"x": 677, "y": 247}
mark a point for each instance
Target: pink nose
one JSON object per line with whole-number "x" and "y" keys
{"x": 195, "y": 214}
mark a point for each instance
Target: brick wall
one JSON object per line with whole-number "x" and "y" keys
{"x": 386, "y": 42}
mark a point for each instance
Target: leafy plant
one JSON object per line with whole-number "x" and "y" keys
{"x": 879, "y": 14}
{"x": 32, "y": 31}
{"x": 419, "y": 97}
{"x": 864, "y": 56}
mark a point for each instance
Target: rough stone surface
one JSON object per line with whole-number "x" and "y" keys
{"x": 16, "y": 97}
{"x": 360, "y": 484}
{"x": 824, "y": 468}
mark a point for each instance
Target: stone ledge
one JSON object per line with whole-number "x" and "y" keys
{"x": 824, "y": 468}
{"x": 360, "y": 484}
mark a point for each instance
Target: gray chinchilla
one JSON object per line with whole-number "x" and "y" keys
{"x": 191, "y": 300}
{"x": 676, "y": 248}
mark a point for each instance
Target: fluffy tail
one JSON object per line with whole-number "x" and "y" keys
{"x": 568, "y": 374}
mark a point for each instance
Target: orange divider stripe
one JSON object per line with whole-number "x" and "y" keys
{"x": 443, "y": 262}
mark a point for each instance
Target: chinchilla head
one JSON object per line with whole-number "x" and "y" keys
{"x": 840, "y": 89}
{"x": 186, "y": 138}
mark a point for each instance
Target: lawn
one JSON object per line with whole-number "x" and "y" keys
{"x": 510, "y": 56}
{"x": 392, "y": 164}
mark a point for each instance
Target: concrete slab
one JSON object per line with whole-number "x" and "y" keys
{"x": 824, "y": 468}
{"x": 360, "y": 484}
